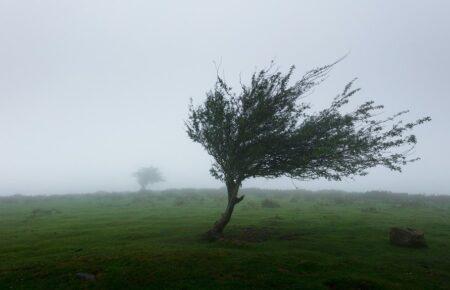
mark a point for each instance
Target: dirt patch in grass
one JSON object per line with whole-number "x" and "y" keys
{"x": 351, "y": 284}
{"x": 247, "y": 235}
{"x": 289, "y": 237}
{"x": 250, "y": 235}
{"x": 44, "y": 212}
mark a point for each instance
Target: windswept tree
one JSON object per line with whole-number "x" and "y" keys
{"x": 266, "y": 130}
{"x": 148, "y": 175}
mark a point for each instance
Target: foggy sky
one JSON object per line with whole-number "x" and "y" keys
{"x": 92, "y": 90}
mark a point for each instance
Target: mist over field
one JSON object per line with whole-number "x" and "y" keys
{"x": 90, "y": 91}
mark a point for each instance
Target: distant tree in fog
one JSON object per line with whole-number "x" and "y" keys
{"x": 267, "y": 131}
{"x": 148, "y": 175}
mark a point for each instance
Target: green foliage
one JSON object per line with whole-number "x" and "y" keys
{"x": 267, "y": 131}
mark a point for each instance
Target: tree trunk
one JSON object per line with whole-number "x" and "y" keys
{"x": 216, "y": 232}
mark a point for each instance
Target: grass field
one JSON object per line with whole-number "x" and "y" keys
{"x": 320, "y": 240}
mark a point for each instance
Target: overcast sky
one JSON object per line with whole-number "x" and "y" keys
{"x": 92, "y": 90}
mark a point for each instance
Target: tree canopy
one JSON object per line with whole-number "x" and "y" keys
{"x": 267, "y": 131}
{"x": 148, "y": 175}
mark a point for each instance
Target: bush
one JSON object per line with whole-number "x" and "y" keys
{"x": 179, "y": 201}
{"x": 369, "y": 209}
{"x": 268, "y": 203}
{"x": 294, "y": 199}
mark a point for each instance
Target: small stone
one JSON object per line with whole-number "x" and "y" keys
{"x": 85, "y": 276}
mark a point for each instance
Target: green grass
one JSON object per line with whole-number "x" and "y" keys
{"x": 151, "y": 241}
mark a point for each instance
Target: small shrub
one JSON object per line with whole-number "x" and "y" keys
{"x": 43, "y": 212}
{"x": 294, "y": 199}
{"x": 369, "y": 209}
{"x": 179, "y": 201}
{"x": 269, "y": 203}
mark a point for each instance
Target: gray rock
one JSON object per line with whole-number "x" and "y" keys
{"x": 85, "y": 276}
{"x": 407, "y": 237}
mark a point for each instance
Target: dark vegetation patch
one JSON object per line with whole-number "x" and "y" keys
{"x": 352, "y": 284}
{"x": 369, "y": 209}
{"x": 289, "y": 236}
{"x": 179, "y": 201}
{"x": 309, "y": 266}
{"x": 38, "y": 212}
{"x": 295, "y": 199}
{"x": 251, "y": 234}
{"x": 269, "y": 231}
{"x": 269, "y": 203}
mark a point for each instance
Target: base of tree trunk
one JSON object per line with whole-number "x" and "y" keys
{"x": 212, "y": 235}
{"x": 216, "y": 232}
